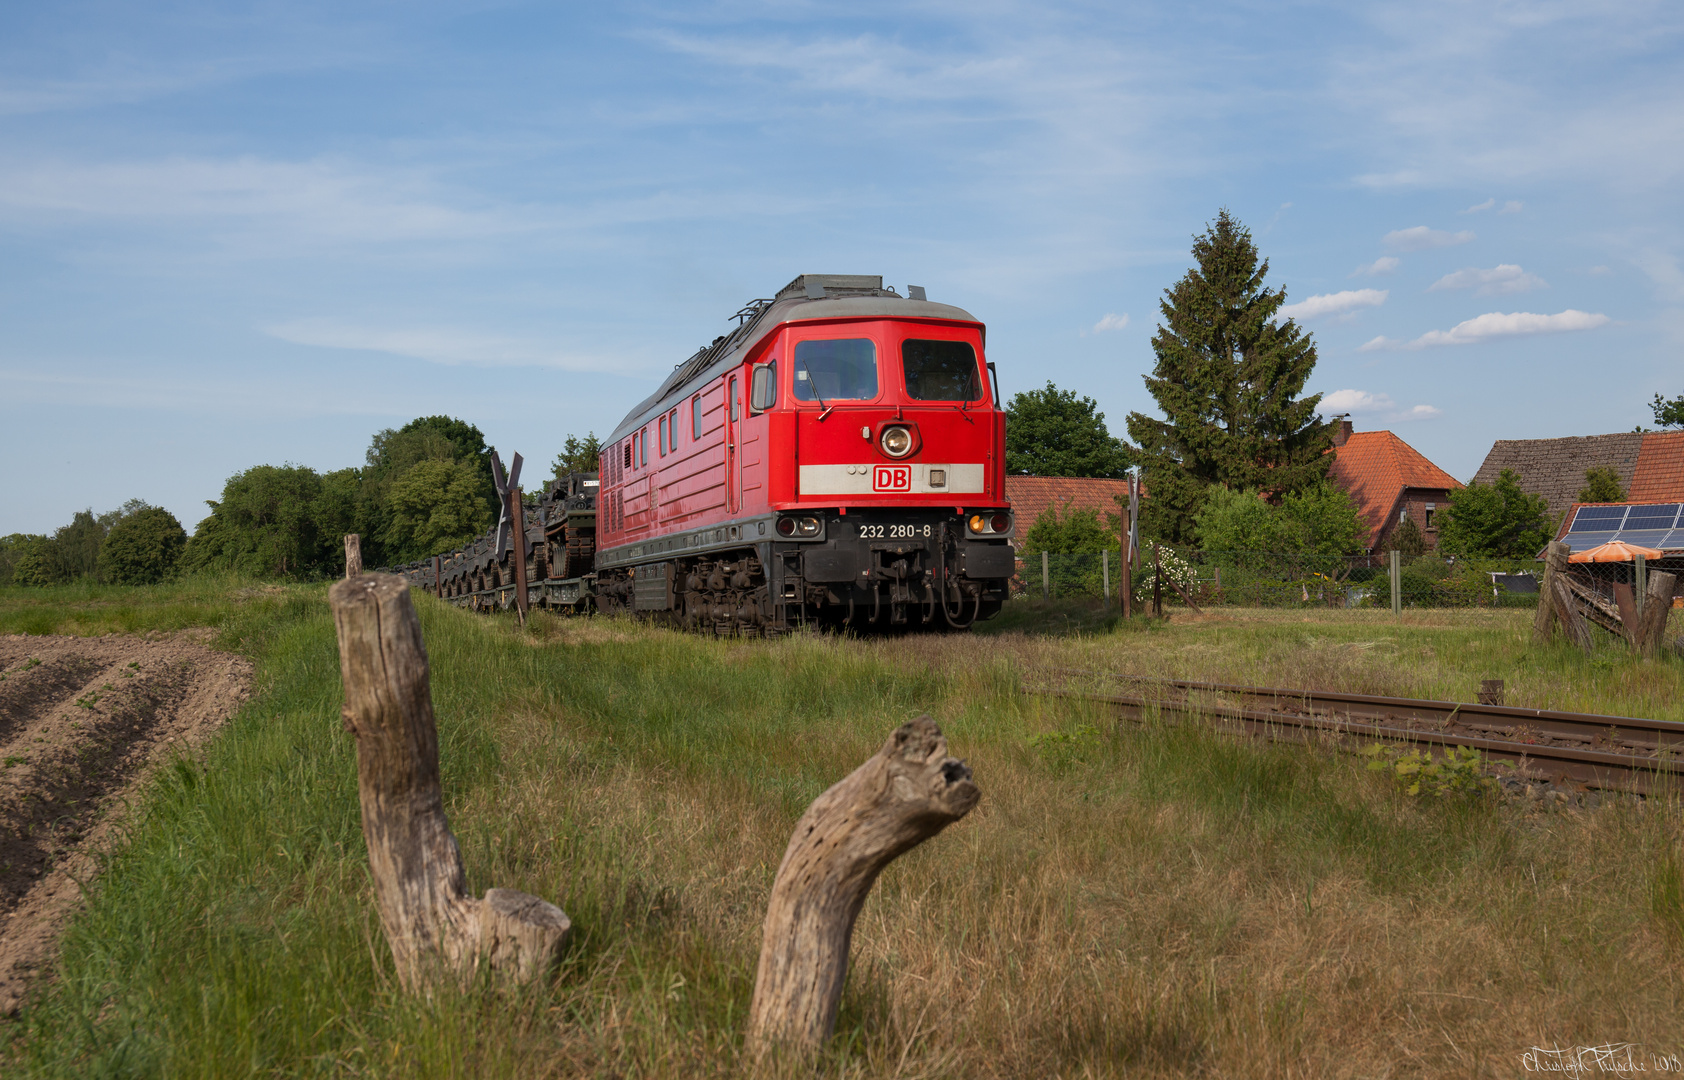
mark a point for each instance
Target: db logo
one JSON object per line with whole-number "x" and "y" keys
{"x": 891, "y": 478}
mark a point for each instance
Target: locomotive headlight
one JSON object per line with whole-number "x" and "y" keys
{"x": 803, "y": 527}
{"x": 896, "y": 441}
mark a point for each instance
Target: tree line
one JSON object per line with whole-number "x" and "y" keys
{"x": 423, "y": 488}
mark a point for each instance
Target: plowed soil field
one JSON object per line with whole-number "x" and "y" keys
{"x": 82, "y": 723}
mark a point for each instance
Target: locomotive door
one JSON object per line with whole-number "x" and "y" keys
{"x": 733, "y": 483}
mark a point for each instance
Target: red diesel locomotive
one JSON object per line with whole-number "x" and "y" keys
{"x": 839, "y": 459}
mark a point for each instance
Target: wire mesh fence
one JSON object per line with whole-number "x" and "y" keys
{"x": 1284, "y": 579}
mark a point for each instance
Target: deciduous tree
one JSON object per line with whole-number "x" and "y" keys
{"x": 436, "y": 506}
{"x": 1668, "y": 413}
{"x": 1496, "y": 520}
{"x": 1228, "y": 379}
{"x": 1602, "y": 485}
{"x": 142, "y": 548}
{"x": 577, "y": 456}
{"x": 1054, "y": 432}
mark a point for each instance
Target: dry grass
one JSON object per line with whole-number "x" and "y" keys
{"x": 1157, "y": 901}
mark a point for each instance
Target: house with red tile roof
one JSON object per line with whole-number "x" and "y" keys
{"x": 1390, "y": 481}
{"x": 1031, "y": 496}
{"x": 1649, "y": 465}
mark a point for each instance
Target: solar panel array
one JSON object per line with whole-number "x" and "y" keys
{"x": 1651, "y": 525}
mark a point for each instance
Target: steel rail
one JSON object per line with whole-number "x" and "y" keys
{"x": 1590, "y": 750}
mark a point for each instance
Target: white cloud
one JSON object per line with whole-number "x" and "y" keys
{"x": 440, "y": 345}
{"x": 1334, "y": 303}
{"x": 1513, "y": 206}
{"x": 1420, "y": 238}
{"x": 1477, "y": 207}
{"x": 1495, "y": 324}
{"x": 1498, "y": 281}
{"x": 1354, "y": 401}
{"x": 1378, "y": 405}
{"x": 1385, "y": 264}
{"x": 1111, "y": 322}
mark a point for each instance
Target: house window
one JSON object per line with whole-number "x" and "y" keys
{"x": 1429, "y": 515}
{"x": 662, "y": 436}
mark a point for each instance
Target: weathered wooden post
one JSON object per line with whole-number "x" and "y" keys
{"x": 1046, "y": 587}
{"x": 1124, "y": 575}
{"x": 1657, "y": 605}
{"x": 1573, "y": 625}
{"x": 1555, "y": 562}
{"x": 353, "y": 554}
{"x": 432, "y": 924}
{"x": 1396, "y": 575}
{"x": 519, "y": 510}
{"x": 903, "y": 795}
{"x": 1157, "y": 581}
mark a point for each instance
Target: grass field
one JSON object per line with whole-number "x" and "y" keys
{"x": 1151, "y": 901}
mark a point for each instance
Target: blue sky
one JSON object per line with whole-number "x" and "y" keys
{"x": 237, "y": 234}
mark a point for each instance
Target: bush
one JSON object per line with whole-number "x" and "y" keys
{"x": 143, "y": 548}
{"x": 34, "y": 563}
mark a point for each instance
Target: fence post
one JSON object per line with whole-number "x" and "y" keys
{"x": 1105, "y": 580}
{"x": 904, "y": 794}
{"x": 434, "y": 926}
{"x": 353, "y": 554}
{"x": 1642, "y": 584}
{"x": 1126, "y": 583}
{"x": 1046, "y": 589}
{"x": 1397, "y": 584}
{"x": 1157, "y": 581}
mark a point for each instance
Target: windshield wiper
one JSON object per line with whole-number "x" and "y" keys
{"x": 814, "y": 384}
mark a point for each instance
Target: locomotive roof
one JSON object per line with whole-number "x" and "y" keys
{"x": 808, "y": 298}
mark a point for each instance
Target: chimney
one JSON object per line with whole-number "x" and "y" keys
{"x": 1344, "y": 433}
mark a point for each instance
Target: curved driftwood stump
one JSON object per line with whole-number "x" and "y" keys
{"x": 906, "y": 793}
{"x": 433, "y": 925}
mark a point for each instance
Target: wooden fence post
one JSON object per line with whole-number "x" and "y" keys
{"x": 1573, "y": 624}
{"x": 1555, "y": 562}
{"x": 1124, "y": 577}
{"x": 903, "y": 795}
{"x": 1157, "y": 582}
{"x": 432, "y": 924}
{"x": 1396, "y": 574}
{"x": 1657, "y": 606}
{"x": 353, "y": 555}
{"x": 1046, "y": 587}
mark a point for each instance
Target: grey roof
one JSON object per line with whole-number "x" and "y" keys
{"x": 847, "y": 296}
{"x": 1555, "y": 468}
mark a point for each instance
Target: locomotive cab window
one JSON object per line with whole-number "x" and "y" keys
{"x": 696, "y": 417}
{"x": 661, "y": 439}
{"x": 843, "y": 369}
{"x": 672, "y": 431}
{"x": 940, "y": 371}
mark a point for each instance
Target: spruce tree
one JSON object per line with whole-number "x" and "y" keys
{"x": 1227, "y": 379}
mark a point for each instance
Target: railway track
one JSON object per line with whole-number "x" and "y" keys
{"x": 1572, "y": 750}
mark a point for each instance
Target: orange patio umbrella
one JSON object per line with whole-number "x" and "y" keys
{"x": 1614, "y": 551}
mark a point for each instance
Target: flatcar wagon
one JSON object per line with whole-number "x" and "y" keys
{"x": 838, "y": 458}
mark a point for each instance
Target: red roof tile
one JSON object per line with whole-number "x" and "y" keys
{"x": 1659, "y": 476}
{"x": 1374, "y": 467}
{"x": 1030, "y": 497}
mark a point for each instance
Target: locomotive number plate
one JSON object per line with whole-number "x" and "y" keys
{"x": 891, "y": 478}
